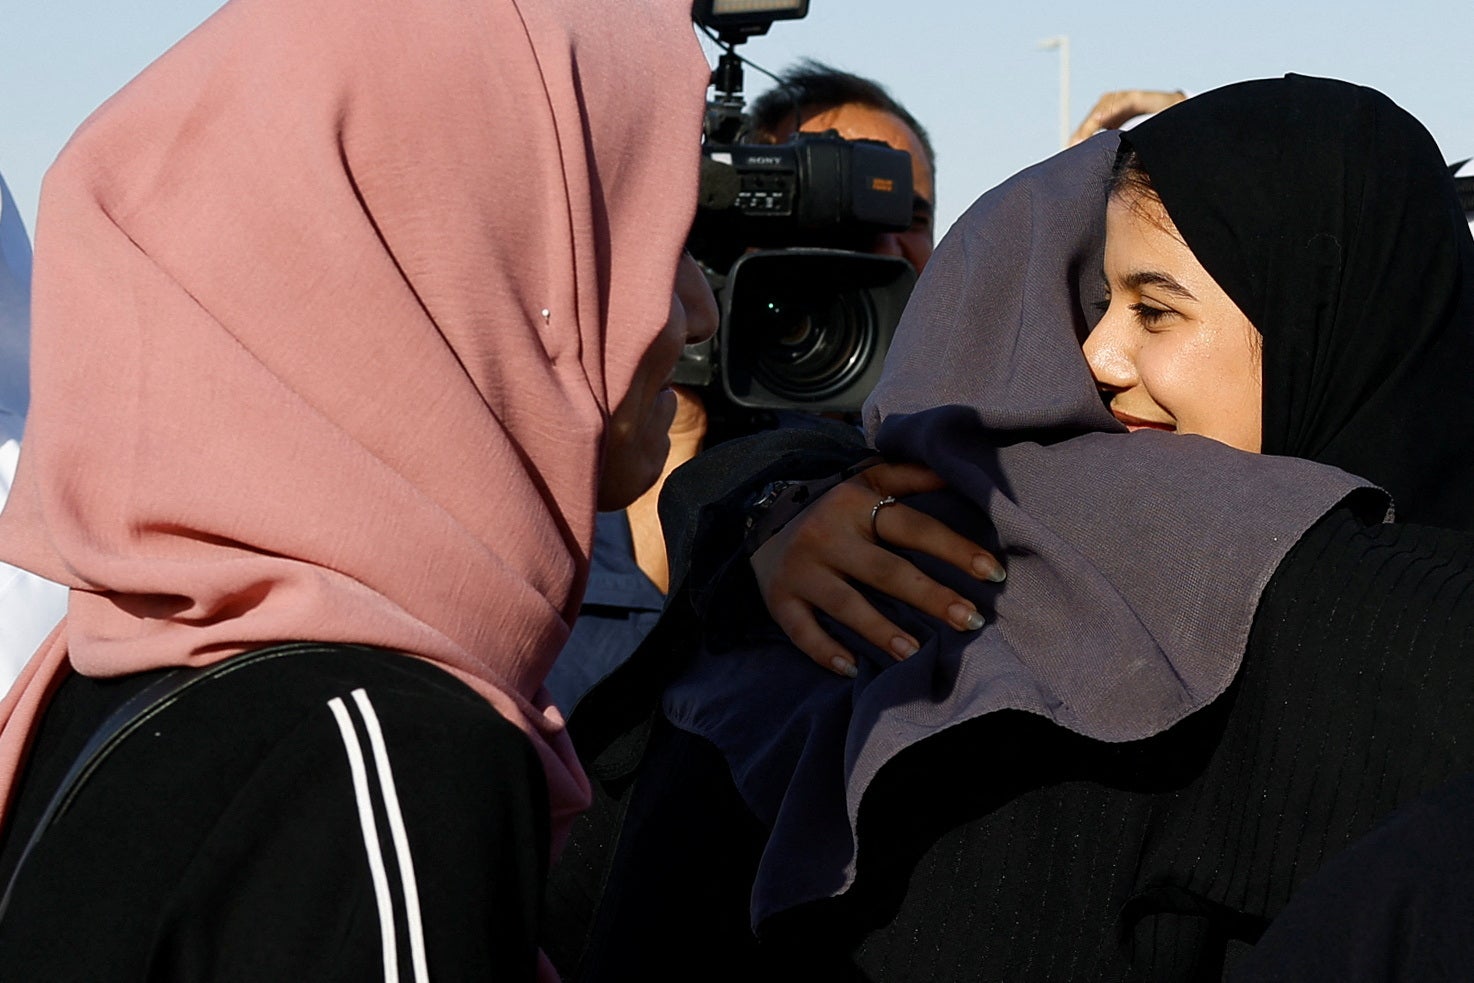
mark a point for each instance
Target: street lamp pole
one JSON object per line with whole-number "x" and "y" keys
{"x": 1061, "y": 43}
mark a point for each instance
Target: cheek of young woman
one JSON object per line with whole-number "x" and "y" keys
{"x": 638, "y": 439}
{"x": 1172, "y": 351}
{"x": 1205, "y": 374}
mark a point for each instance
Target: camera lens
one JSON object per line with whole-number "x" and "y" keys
{"x": 805, "y": 351}
{"x": 807, "y": 328}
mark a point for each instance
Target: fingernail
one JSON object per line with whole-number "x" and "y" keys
{"x": 844, "y": 666}
{"x": 965, "y": 617}
{"x": 988, "y": 569}
{"x": 903, "y": 647}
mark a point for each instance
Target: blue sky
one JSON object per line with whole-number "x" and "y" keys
{"x": 970, "y": 71}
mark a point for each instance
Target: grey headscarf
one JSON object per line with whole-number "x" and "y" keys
{"x": 1135, "y": 562}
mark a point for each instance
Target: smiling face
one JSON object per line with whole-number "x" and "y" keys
{"x": 1173, "y": 352}
{"x": 638, "y": 439}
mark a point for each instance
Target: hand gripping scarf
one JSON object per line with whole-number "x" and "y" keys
{"x": 331, "y": 305}
{"x": 1135, "y": 561}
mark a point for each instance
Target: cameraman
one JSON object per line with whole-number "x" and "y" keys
{"x": 629, "y": 576}
{"x": 818, "y": 98}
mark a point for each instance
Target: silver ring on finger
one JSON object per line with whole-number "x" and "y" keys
{"x": 875, "y": 514}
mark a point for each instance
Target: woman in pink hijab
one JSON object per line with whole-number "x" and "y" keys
{"x": 347, "y": 316}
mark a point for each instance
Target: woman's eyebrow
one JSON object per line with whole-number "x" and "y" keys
{"x": 1137, "y": 279}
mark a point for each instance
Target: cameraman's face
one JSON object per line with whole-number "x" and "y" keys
{"x": 857, "y": 122}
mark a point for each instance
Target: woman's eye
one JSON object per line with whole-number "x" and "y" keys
{"x": 1149, "y": 316}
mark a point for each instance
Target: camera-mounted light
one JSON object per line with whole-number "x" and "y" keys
{"x": 737, "y": 20}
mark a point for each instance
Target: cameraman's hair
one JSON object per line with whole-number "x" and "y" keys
{"x": 812, "y": 87}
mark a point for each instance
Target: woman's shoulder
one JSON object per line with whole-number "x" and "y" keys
{"x": 223, "y": 720}
{"x": 1343, "y": 557}
{"x": 327, "y": 693}
{"x": 1378, "y": 613}
{"x": 308, "y": 671}
{"x": 257, "y": 788}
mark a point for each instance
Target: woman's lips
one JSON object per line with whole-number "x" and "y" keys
{"x": 1134, "y": 423}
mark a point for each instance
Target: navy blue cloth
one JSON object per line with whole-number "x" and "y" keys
{"x": 1396, "y": 905}
{"x": 620, "y": 606}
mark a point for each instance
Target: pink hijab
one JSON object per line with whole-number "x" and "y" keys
{"x": 331, "y": 306}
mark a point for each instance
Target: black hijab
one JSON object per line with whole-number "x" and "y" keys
{"x": 1328, "y": 215}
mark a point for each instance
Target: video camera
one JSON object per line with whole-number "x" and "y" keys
{"x": 806, "y": 319}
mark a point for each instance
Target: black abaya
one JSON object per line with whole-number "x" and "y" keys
{"x": 1069, "y": 859}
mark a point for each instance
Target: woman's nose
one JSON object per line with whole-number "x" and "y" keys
{"x": 1109, "y": 354}
{"x": 696, "y": 297}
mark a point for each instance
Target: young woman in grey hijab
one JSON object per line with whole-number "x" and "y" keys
{"x": 1207, "y": 670}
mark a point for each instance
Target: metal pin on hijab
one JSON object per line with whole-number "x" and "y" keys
{"x": 546, "y": 315}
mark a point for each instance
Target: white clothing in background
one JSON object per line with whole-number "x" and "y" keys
{"x": 29, "y": 606}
